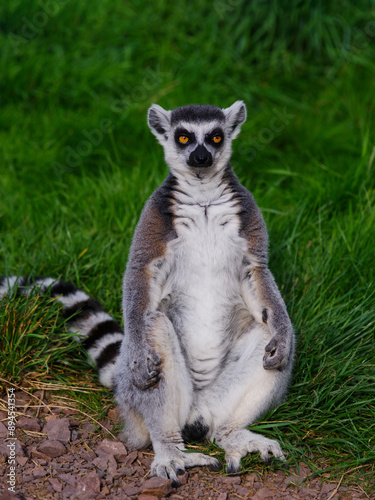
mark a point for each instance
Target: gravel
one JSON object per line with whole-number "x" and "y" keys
{"x": 61, "y": 456}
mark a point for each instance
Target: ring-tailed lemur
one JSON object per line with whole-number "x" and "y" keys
{"x": 208, "y": 344}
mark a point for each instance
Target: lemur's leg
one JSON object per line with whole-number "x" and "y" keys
{"x": 163, "y": 408}
{"x": 243, "y": 392}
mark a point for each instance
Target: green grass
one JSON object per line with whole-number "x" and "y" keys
{"x": 313, "y": 178}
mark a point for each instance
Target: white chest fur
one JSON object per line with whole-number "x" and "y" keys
{"x": 204, "y": 285}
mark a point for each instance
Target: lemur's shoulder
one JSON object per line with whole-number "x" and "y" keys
{"x": 252, "y": 225}
{"x": 155, "y": 227}
{"x": 160, "y": 203}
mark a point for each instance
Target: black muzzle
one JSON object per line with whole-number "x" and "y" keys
{"x": 200, "y": 158}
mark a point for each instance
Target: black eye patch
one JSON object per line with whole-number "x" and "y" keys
{"x": 216, "y": 137}
{"x": 183, "y": 138}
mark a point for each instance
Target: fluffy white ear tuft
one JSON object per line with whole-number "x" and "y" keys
{"x": 235, "y": 115}
{"x": 159, "y": 121}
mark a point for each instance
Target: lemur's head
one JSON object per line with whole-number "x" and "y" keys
{"x": 196, "y": 138}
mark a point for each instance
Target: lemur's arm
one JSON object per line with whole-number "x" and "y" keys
{"x": 144, "y": 277}
{"x": 260, "y": 291}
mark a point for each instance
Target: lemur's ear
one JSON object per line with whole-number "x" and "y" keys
{"x": 235, "y": 115}
{"x": 159, "y": 121}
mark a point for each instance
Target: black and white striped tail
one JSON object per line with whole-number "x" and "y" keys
{"x": 99, "y": 333}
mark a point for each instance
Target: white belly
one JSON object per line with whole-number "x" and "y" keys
{"x": 204, "y": 286}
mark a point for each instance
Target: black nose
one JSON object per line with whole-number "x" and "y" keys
{"x": 200, "y": 157}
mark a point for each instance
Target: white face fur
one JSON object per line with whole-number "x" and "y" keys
{"x": 197, "y": 140}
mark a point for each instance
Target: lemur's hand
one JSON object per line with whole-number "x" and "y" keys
{"x": 145, "y": 367}
{"x": 277, "y": 353}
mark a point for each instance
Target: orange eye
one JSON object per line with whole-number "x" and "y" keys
{"x": 183, "y": 139}
{"x": 217, "y": 139}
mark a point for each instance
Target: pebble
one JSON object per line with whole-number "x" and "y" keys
{"x": 157, "y": 486}
{"x": 38, "y": 473}
{"x": 56, "y": 484}
{"x": 33, "y": 452}
{"x": 3, "y": 431}
{"x": 41, "y": 461}
{"x": 88, "y": 455}
{"x": 52, "y": 449}
{"x": 115, "y": 448}
{"x": 89, "y": 482}
{"x": 21, "y": 460}
{"x": 123, "y": 471}
{"x": 26, "y": 479}
{"x": 29, "y": 424}
{"x": 58, "y": 429}
{"x": 107, "y": 463}
{"x": 68, "y": 478}
{"x": 263, "y": 493}
{"x": 230, "y": 480}
{"x": 5, "y": 448}
{"x": 9, "y": 495}
{"x": 130, "y": 491}
{"x": 88, "y": 428}
{"x": 131, "y": 457}
{"x": 243, "y": 492}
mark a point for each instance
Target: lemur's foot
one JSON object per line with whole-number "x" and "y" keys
{"x": 171, "y": 462}
{"x": 239, "y": 443}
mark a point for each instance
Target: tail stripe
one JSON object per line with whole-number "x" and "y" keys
{"x": 72, "y": 298}
{"x": 62, "y": 288}
{"x": 98, "y": 332}
{"x": 42, "y": 283}
{"x": 108, "y": 340}
{"x": 106, "y": 374}
{"x": 82, "y": 310}
{"x": 109, "y": 354}
{"x": 21, "y": 283}
{"x": 83, "y": 327}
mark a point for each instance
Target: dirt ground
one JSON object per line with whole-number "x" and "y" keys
{"x": 60, "y": 455}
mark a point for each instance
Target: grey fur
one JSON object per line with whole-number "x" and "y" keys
{"x": 208, "y": 340}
